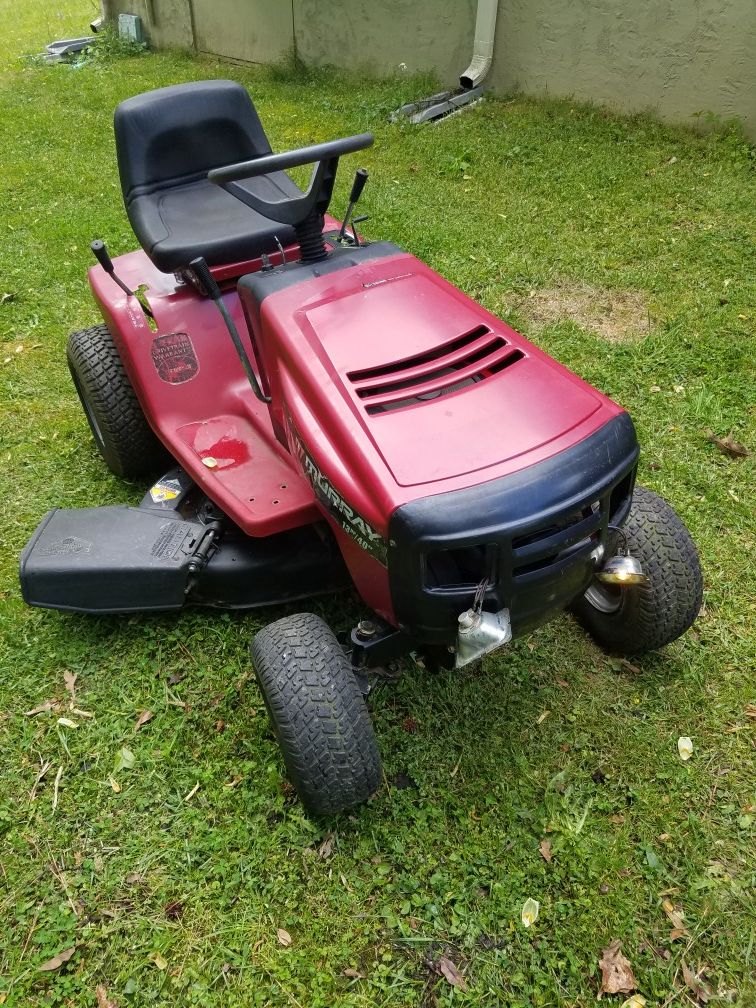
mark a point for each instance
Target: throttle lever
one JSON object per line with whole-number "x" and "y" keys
{"x": 360, "y": 178}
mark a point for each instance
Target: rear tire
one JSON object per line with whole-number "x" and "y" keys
{"x": 121, "y": 432}
{"x": 643, "y": 618}
{"x": 318, "y": 713}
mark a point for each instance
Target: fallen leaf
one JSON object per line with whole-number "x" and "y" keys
{"x": 728, "y": 445}
{"x": 694, "y": 983}
{"x": 676, "y": 933}
{"x": 284, "y": 938}
{"x": 114, "y": 784}
{"x": 175, "y": 677}
{"x": 143, "y": 718}
{"x": 675, "y": 915}
{"x": 160, "y": 961}
{"x": 57, "y": 961}
{"x": 450, "y": 973}
{"x": 545, "y": 848}
{"x": 103, "y": 1001}
{"x": 125, "y": 760}
{"x": 636, "y": 1001}
{"x": 542, "y": 717}
{"x": 56, "y": 788}
{"x": 193, "y": 792}
{"x": 67, "y": 722}
{"x": 326, "y": 848}
{"x": 352, "y": 973}
{"x": 616, "y": 972}
{"x": 47, "y": 705}
{"x": 685, "y": 747}
{"x": 135, "y": 878}
{"x": 563, "y": 683}
{"x": 409, "y": 724}
{"x": 69, "y": 680}
{"x": 529, "y": 913}
{"x": 39, "y": 778}
{"x": 629, "y": 666}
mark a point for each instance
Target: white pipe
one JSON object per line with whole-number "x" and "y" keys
{"x": 485, "y": 29}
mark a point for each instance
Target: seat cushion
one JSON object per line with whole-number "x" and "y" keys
{"x": 177, "y": 223}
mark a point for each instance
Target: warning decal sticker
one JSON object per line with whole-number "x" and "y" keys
{"x": 174, "y": 358}
{"x": 165, "y": 490}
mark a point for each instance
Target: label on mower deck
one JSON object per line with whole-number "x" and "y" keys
{"x": 172, "y": 541}
{"x": 66, "y": 547}
{"x": 165, "y": 490}
{"x": 353, "y": 524}
{"x": 174, "y": 358}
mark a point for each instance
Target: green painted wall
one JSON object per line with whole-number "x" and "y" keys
{"x": 673, "y": 57}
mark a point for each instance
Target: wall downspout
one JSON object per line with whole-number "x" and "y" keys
{"x": 485, "y": 29}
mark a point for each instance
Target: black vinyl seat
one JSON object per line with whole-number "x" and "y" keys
{"x": 167, "y": 140}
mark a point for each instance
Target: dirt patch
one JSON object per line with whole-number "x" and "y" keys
{"x": 617, "y": 316}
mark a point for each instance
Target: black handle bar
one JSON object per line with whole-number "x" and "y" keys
{"x": 291, "y": 211}
{"x": 290, "y": 159}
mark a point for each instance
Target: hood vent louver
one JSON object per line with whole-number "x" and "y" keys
{"x": 463, "y": 361}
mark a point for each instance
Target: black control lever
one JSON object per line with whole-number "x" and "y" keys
{"x": 207, "y": 285}
{"x": 360, "y": 178}
{"x": 101, "y": 254}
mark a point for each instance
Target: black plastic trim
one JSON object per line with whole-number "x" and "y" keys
{"x": 255, "y": 287}
{"x": 535, "y": 581}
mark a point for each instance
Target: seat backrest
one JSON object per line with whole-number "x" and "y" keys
{"x": 175, "y": 135}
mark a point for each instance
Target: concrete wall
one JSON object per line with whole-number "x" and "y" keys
{"x": 259, "y": 31}
{"x": 378, "y": 36}
{"x": 673, "y": 57}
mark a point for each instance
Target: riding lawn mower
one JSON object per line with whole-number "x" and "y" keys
{"x": 326, "y": 412}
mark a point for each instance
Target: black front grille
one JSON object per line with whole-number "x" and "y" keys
{"x": 530, "y": 535}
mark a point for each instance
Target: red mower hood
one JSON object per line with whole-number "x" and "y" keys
{"x": 441, "y": 387}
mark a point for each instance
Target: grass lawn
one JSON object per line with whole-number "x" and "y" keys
{"x": 625, "y": 249}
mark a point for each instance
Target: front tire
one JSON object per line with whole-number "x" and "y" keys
{"x": 646, "y": 617}
{"x": 318, "y": 714}
{"x": 120, "y": 429}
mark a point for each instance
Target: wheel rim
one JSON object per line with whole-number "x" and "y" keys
{"x": 605, "y": 598}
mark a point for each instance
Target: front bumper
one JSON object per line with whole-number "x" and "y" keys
{"x": 532, "y": 534}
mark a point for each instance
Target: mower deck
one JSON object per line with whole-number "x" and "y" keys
{"x": 170, "y": 551}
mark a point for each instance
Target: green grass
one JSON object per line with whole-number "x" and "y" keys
{"x": 175, "y": 901}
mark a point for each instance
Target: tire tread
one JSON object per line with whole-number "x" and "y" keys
{"x": 129, "y": 446}
{"x": 318, "y": 713}
{"x": 652, "y": 615}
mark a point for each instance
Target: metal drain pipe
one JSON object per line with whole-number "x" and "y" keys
{"x": 485, "y": 29}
